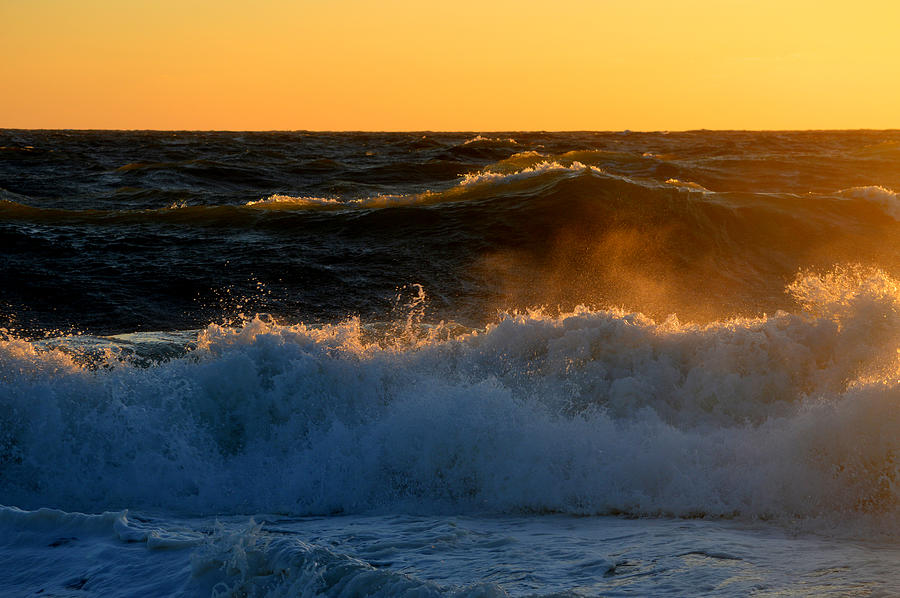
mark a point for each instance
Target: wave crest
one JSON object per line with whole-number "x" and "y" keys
{"x": 289, "y": 201}
{"x": 490, "y": 141}
{"x": 882, "y": 196}
{"x": 538, "y": 169}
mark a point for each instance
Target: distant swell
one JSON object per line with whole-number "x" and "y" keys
{"x": 527, "y": 231}
{"x": 523, "y": 176}
{"x": 787, "y": 416}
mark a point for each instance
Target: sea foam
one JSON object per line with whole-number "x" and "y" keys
{"x": 789, "y": 416}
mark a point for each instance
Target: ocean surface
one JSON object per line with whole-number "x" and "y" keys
{"x": 435, "y": 364}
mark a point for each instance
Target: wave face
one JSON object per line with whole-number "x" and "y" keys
{"x": 793, "y": 415}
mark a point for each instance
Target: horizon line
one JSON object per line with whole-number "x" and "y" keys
{"x": 447, "y": 131}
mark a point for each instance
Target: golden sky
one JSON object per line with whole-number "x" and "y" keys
{"x": 449, "y": 65}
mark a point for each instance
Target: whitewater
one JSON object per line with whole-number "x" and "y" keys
{"x": 509, "y": 364}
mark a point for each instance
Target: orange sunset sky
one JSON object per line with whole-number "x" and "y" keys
{"x": 449, "y": 65}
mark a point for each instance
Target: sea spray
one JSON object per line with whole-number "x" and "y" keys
{"x": 784, "y": 416}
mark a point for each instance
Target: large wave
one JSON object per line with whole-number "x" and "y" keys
{"x": 792, "y": 416}
{"x": 497, "y": 180}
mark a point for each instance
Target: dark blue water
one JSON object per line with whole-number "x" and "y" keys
{"x": 120, "y": 231}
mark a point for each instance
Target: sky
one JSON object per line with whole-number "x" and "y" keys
{"x": 485, "y": 65}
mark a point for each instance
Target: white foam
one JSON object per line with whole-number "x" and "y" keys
{"x": 791, "y": 415}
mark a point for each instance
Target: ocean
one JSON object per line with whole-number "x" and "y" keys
{"x": 449, "y": 364}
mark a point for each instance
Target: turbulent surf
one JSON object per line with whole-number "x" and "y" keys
{"x": 390, "y": 364}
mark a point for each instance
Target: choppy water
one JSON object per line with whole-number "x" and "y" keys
{"x": 385, "y": 364}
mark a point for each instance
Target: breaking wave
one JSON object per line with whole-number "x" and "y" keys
{"x": 792, "y": 416}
